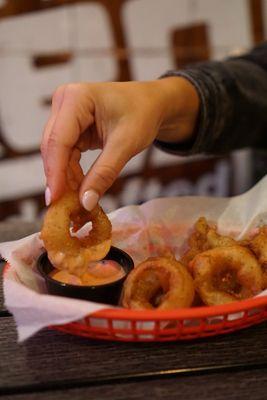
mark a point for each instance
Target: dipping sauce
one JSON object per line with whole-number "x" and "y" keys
{"x": 65, "y": 277}
{"x": 98, "y": 273}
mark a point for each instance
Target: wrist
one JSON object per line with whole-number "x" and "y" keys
{"x": 180, "y": 108}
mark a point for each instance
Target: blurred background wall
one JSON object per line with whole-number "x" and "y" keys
{"x": 45, "y": 43}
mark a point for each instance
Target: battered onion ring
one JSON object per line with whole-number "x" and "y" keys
{"x": 197, "y": 241}
{"x": 259, "y": 247}
{"x": 226, "y": 274}
{"x": 158, "y": 283}
{"x": 204, "y": 237}
{"x": 71, "y": 253}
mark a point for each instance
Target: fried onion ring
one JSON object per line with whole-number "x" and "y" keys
{"x": 158, "y": 283}
{"x": 204, "y": 237}
{"x": 226, "y": 274}
{"x": 259, "y": 247}
{"x": 197, "y": 241}
{"x": 67, "y": 252}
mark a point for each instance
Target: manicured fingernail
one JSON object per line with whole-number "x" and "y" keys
{"x": 47, "y": 196}
{"x": 90, "y": 199}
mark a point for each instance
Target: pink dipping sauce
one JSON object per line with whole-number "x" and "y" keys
{"x": 98, "y": 273}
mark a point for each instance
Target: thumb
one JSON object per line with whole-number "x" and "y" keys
{"x": 103, "y": 173}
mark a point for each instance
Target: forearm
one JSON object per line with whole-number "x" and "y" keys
{"x": 233, "y": 105}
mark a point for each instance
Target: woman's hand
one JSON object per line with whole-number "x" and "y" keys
{"x": 120, "y": 118}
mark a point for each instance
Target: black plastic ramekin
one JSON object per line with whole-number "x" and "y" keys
{"x": 108, "y": 293}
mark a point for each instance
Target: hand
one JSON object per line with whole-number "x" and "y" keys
{"x": 120, "y": 118}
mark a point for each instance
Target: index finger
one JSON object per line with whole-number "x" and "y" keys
{"x": 71, "y": 115}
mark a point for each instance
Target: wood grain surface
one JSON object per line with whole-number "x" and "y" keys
{"x": 3, "y": 310}
{"x": 242, "y": 385}
{"x": 14, "y": 230}
{"x": 56, "y": 359}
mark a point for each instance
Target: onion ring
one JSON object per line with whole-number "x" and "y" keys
{"x": 158, "y": 283}
{"x": 259, "y": 247}
{"x": 71, "y": 253}
{"x": 197, "y": 241}
{"x": 226, "y": 274}
{"x": 204, "y": 237}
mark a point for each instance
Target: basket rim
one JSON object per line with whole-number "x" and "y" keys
{"x": 182, "y": 313}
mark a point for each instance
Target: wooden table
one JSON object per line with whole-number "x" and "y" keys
{"x": 53, "y": 365}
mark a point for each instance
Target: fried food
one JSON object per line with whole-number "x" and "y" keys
{"x": 158, "y": 283}
{"x": 226, "y": 274}
{"x": 259, "y": 247}
{"x": 204, "y": 237}
{"x": 216, "y": 240}
{"x": 67, "y": 252}
{"x": 197, "y": 241}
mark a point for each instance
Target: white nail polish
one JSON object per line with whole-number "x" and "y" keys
{"x": 90, "y": 199}
{"x": 47, "y": 196}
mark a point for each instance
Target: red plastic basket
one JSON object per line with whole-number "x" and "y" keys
{"x": 155, "y": 325}
{"x": 182, "y": 324}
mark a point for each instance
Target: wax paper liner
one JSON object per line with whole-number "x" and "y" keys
{"x": 142, "y": 231}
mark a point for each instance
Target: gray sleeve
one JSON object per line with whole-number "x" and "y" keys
{"x": 233, "y": 104}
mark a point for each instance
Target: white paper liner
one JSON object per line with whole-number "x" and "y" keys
{"x": 142, "y": 231}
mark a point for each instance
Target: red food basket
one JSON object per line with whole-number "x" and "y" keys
{"x": 157, "y": 326}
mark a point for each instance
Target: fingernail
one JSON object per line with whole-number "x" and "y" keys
{"x": 90, "y": 199}
{"x": 47, "y": 196}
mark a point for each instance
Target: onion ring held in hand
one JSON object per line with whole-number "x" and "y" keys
{"x": 71, "y": 253}
{"x": 158, "y": 283}
{"x": 226, "y": 274}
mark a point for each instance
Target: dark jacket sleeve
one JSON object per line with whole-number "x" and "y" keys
{"x": 233, "y": 111}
